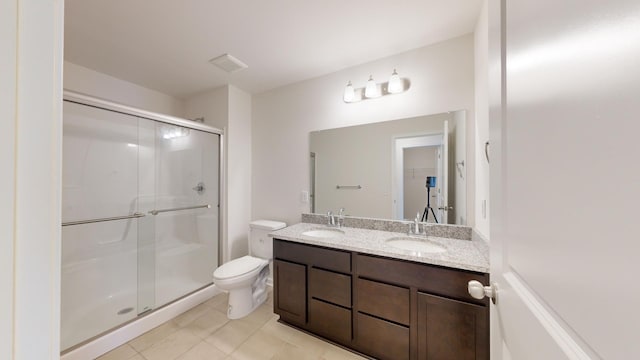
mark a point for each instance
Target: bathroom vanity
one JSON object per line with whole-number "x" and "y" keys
{"x": 387, "y": 303}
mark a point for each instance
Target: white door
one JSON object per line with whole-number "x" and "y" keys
{"x": 443, "y": 177}
{"x": 563, "y": 130}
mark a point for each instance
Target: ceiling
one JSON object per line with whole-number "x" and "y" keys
{"x": 165, "y": 45}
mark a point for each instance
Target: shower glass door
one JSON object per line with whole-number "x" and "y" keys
{"x": 100, "y": 226}
{"x": 140, "y": 217}
{"x": 186, "y": 210}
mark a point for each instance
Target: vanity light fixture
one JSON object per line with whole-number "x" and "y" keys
{"x": 395, "y": 83}
{"x": 373, "y": 90}
{"x": 349, "y": 93}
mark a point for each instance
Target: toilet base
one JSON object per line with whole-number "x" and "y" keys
{"x": 243, "y": 301}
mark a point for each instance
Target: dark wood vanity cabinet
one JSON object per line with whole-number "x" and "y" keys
{"x": 381, "y": 307}
{"x": 322, "y": 289}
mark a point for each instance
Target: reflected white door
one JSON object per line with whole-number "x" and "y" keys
{"x": 443, "y": 177}
{"x": 566, "y": 267}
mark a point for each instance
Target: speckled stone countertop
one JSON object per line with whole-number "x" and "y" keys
{"x": 460, "y": 254}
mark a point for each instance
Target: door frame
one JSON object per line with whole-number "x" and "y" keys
{"x": 397, "y": 184}
{"x": 31, "y": 38}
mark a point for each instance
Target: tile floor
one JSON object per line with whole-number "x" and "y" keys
{"x": 205, "y": 333}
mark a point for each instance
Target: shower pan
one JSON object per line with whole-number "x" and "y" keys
{"x": 140, "y": 224}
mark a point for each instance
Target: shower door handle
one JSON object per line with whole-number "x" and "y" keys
{"x": 90, "y": 221}
{"x": 156, "y": 212}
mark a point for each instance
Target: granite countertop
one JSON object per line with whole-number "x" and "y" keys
{"x": 460, "y": 254}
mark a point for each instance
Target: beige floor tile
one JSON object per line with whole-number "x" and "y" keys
{"x": 123, "y": 352}
{"x": 207, "y": 323}
{"x": 290, "y": 351}
{"x": 153, "y": 336}
{"x": 137, "y": 357}
{"x": 172, "y": 346}
{"x": 189, "y": 316}
{"x": 231, "y": 335}
{"x": 219, "y": 302}
{"x": 309, "y": 342}
{"x": 203, "y": 351}
{"x": 278, "y": 329}
{"x": 260, "y": 346}
{"x": 336, "y": 353}
{"x": 259, "y": 316}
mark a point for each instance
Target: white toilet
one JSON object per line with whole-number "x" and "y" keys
{"x": 245, "y": 278}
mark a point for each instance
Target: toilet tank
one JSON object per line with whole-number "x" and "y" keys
{"x": 260, "y": 244}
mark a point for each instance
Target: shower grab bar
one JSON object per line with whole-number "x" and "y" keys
{"x": 90, "y": 221}
{"x": 156, "y": 212}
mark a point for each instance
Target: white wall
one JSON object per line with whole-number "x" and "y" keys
{"x": 229, "y": 108}
{"x": 212, "y": 105}
{"x": 91, "y": 82}
{"x": 30, "y": 141}
{"x": 441, "y": 78}
{"x": 481, "y": 56}
{"x": 8, "y": 74}
{"x": 238, "y": 171}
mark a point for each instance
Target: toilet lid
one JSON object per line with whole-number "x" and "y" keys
{"x": 239, "y": 266}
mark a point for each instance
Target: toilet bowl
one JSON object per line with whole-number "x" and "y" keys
{"x": 246, "y": 278}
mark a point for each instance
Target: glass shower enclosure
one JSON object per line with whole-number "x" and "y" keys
{"x": 140, "y": 207}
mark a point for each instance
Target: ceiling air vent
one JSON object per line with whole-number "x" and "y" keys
{"x": 228, "y": 63}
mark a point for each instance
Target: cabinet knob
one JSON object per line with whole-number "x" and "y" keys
{"x": 479, "y": 291}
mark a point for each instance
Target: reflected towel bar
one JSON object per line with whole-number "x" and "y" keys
{"x": 156, "y": 212}
{"x": 348, "y": 187}
{"x": 80, "y": 222}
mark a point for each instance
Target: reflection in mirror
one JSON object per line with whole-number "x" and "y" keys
{"x": 396, "y": 169}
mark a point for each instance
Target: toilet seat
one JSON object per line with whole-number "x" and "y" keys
{"x": 238, "y": 267}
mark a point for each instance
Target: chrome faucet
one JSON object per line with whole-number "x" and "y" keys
{"x": 331, "y": 219}
{"x": 335, "y": 220}
{"x": 414, "y": 228}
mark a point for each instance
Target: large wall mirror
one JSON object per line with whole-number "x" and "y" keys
{"x": 393, "y": 170}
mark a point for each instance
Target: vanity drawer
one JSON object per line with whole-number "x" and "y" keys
{"x": 331, "y": 321}
{"x": 317, "y": 256}
{"x": 382, "y": 339}
{"x": 436, "y": 280}
{"x": 385, "y": 301}
{"x": 330, "y": 286}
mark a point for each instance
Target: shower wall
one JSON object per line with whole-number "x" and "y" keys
{"x": 140, "y": 217}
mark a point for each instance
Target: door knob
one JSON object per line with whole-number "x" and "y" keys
{"x": 445, "y": 208}
{"x": 479, "y": 291}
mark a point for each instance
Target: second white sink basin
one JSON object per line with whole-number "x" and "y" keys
{"x": 324, "y": 233}
{"x": 415, "y": 245}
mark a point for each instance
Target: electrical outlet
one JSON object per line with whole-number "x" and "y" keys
{"x": 304, "y": 197}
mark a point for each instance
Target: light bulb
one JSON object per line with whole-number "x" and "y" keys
{"x": 349, "y": 93}
{"x": 395, "y": 83}
{"x": 371, "y": 91}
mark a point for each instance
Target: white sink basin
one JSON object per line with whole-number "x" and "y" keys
{"x": 415, "y": 245}
{"x": 324, "y": 233}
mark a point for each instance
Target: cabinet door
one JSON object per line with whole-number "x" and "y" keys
{"x": 290, "y": 297}
{"x": 450, "y": 329}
